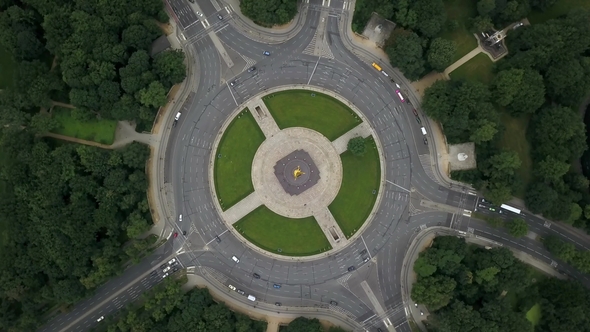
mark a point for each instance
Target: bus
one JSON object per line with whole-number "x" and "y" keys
{"x": 376, "y": 66}
{"x": 510, "y": 208}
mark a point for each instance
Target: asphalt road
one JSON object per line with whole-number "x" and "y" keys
{"x": 312, "y": 284}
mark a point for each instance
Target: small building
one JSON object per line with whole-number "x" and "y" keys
{"x": 159, "y": 45}
{"x": 378, "y": 29}
{"x": 462, "y": 156}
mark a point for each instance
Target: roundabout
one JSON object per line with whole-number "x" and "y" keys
{"x": 368, "y": 238}
{"x": 297, "y": 175}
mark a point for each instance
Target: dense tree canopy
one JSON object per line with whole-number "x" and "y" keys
{"x": 67, "y": 210}
{"x": 167, "y": 309}
{"x": 269, "y": 12}
{"x": 73, "y": 213}
{"x": 93, "y": 46}
{"x": 440, "y": 53}
{"x": 406, "y": 53}
{"x": 490, "y": 290}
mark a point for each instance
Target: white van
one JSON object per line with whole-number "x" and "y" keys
{"x": 423, "y": 131}
{"x": 251, "y": 298}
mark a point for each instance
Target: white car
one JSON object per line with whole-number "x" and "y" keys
{"x": 232, "y": 287}
{"x": 100, "y": 318}
{"x": 164, "y": 275}
{"x": 166, "y": 269}
{"x": 180, "y": 218}
{"x": 170, "y": 262}
{"x": 235, "y": 259}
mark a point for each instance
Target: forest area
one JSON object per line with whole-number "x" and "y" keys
{"x": 73, "y": 216}
{"x": 542, "y": 80}
{"x": 468, "y": 288}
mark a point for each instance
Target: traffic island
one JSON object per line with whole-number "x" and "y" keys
{"x": 298, "y": 179}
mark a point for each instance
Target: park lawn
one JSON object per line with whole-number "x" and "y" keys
{"x": 460, "y": 11}
{"x": 534, "y": 314}
{"x": 355, "y": 200}
{"x": 7, "y": 69}
{"x": 560, "y": 8}
{"x": 282, "y": 235}
{"x": 322, "y": 113}
{"x": 97, "y": 130}
{"x": 514, "y": 138}
{"x": 479, "y": 68}
{"x": 234, "y": 156}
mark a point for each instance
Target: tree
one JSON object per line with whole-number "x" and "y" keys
{"x": 154, "y": 95}
{"x": 423, "y": 268}
{"x": 518, "y": 227}
{"x": 437, "y": 102}
{"x": 484, "y": 7}
{"x": 568, "y": 81}
{"x": 501, "y": 164}
{"x": 542, "y": 5}
{"x": 302, "y": 324}
{"x": 430, "y": 15}
{"x": 406, "y": 53}
{"x": 563, "y": 250}
{"x": 434, "y": 292}
{"x": 482, "y": 23}
{"x": 485, "y": 131}
{"x": 138, "y": 37}
{"x": 551, "y": 169}
{"x": 170, "y": 68}
{"x": 540, "y": 197}
{"x": 440, "y": 54}
{"x": 269, "y": 12}
{"x": 356, "y": 146}
{"x": 521, "y": 91}
{"x": 558, "y": 132}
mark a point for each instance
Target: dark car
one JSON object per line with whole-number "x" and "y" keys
{"x": 251, "y": 69}
{"x": 415, "y": 112}
{"x": 333, "y": 303}
{"x": 277, "y": 286}
{"x": 174, "y": 269}
{"x": 220, "y": 17}
{"x": 351, "y": 268}
{"x": 241, "y": 292}
{"x": 425, "y": 141}
{"x": 418, "y": 120}
{"x": 183, "y": 232}
{"x": 217, "y": 239}
{"x": 278, "y": 304}
{"x": 154, "y": 272}
{"x": 163, "y": 266}
{"x": 256, "y": 275}
{"x": 363, "y": 252}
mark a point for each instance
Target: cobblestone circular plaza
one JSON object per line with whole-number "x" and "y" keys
{"x": 280, "y": 192}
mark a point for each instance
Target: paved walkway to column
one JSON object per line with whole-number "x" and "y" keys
{"x": 461, "y": 61}
{"x": 262, "y": 116}
{"x": 362, "y": 130}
